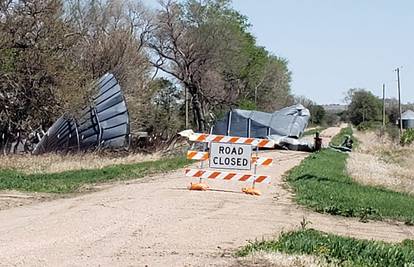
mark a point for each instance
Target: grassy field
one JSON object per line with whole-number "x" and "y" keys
{"x": 321, "y": 183}
{"x": 73, "y": 180}
{"x": 337, "y": 250}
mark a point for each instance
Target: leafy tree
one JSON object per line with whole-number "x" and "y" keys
{"x": 34, "y": 68}
{"x": 205, "y": 45}
{"x": 317, "y": 114}
{"x": 392, "y": 110}
{"x": 364, "y": 106}
{"x": 332, "y": 118}
{"x": 166, "y": 114}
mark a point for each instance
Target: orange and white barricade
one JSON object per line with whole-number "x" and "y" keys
{"x": 228, "y": 152}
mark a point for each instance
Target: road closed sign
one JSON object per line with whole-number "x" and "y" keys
{"x": 230, "y": 156}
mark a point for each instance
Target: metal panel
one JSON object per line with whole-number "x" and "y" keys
{"x": 103, "y": 124}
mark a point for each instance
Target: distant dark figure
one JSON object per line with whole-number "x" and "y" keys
{"x": 318, "y": 142}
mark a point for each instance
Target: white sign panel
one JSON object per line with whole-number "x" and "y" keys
{"x": 230, "y": 156}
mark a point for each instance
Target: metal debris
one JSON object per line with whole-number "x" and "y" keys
{"x": 104, "y": 124}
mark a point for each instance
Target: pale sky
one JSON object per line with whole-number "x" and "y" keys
{"x": 335, "y": 45}
{"x": 332, "y": 46}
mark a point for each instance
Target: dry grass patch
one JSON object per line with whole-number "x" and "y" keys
{"x": 262, "y": 258}
{"x": 379, "y": 162}
{"x": 54, "y": 163}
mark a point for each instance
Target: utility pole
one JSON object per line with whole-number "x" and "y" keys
{"x": 399, "y": 99}
{"x": 383, "y": 105}
{"x": 186, "y": 106}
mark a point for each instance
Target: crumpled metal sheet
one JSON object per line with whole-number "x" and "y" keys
{"x": 288, "y": 122}
{"x": 104, "y": 124}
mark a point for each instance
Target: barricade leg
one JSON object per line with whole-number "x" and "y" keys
{"x": 252, "y": 190}
{"x": 200, "y": 186}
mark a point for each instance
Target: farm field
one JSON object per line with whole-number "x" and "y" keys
{"x": 156, "y": 220}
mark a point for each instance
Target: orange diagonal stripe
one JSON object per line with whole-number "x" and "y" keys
{"x": 267, "y": 161}
{"x": 234, "y": 139}
{"x": 218, "y": 138}
{"x": 191, "y": 154}
{"x": 229, "y": 176}
{"x": 199, "y": 174}
{"x": 262, "y": 143}
{"x": 214, "y": 175}
{"x": 260, "y": 179}
{"x": 249, "y": 141}
{"x": 202, "y": 137}
{"x": 245, "y": 177}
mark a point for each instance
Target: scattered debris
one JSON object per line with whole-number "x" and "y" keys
{"x": 346, "y": 145}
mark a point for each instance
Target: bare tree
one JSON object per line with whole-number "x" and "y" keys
{"x": 112, "y": 36}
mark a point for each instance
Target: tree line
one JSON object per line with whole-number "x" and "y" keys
{"x": 52, "y": 50}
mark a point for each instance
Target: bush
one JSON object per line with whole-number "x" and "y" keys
{"x": 393, "y": 132}
{"x": 407, "y": 137}
{"x": 368, "y": 125}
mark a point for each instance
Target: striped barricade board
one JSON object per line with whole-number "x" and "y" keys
{"x": 260, "y": 161}
{"x": 207, "y": 138}
{"x": 221, "y": 175}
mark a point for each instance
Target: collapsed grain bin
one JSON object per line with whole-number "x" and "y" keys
{"x": 290, "y": 122}
{"x": 284, "y": 126}
{"x": 103, "y": 124}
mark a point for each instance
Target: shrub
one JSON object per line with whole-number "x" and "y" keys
{"x": 368, "y": 125}
{"x": 407, "y": 137}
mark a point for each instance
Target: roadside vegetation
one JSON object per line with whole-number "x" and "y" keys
{"x": 407, "y": 137}
{"x": 54, "y": 162}
{"x": 339, "y": 138}
{"x": 378, "y": 161}
{"x": 315, "y": 130}
{"x": 73, "y": 180}
{"x": 321, "y": 183}
{"x": 336, "y": 250}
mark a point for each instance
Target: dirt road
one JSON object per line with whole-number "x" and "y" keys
{"x": 157, "y": 222}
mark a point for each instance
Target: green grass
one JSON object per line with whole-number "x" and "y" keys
{"x": 344, "y": 251}
{"x": 313, "y": 131}
{"x": 321, "y": 183}
{"x": 72, "y": 181}
{"x": 339, "y": 138}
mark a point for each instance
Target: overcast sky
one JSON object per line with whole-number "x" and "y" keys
{"x": 335, "y": 45}
{"x": 332, "y": 46}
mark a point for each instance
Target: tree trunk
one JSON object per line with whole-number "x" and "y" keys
{"x": 199, "y": 113}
